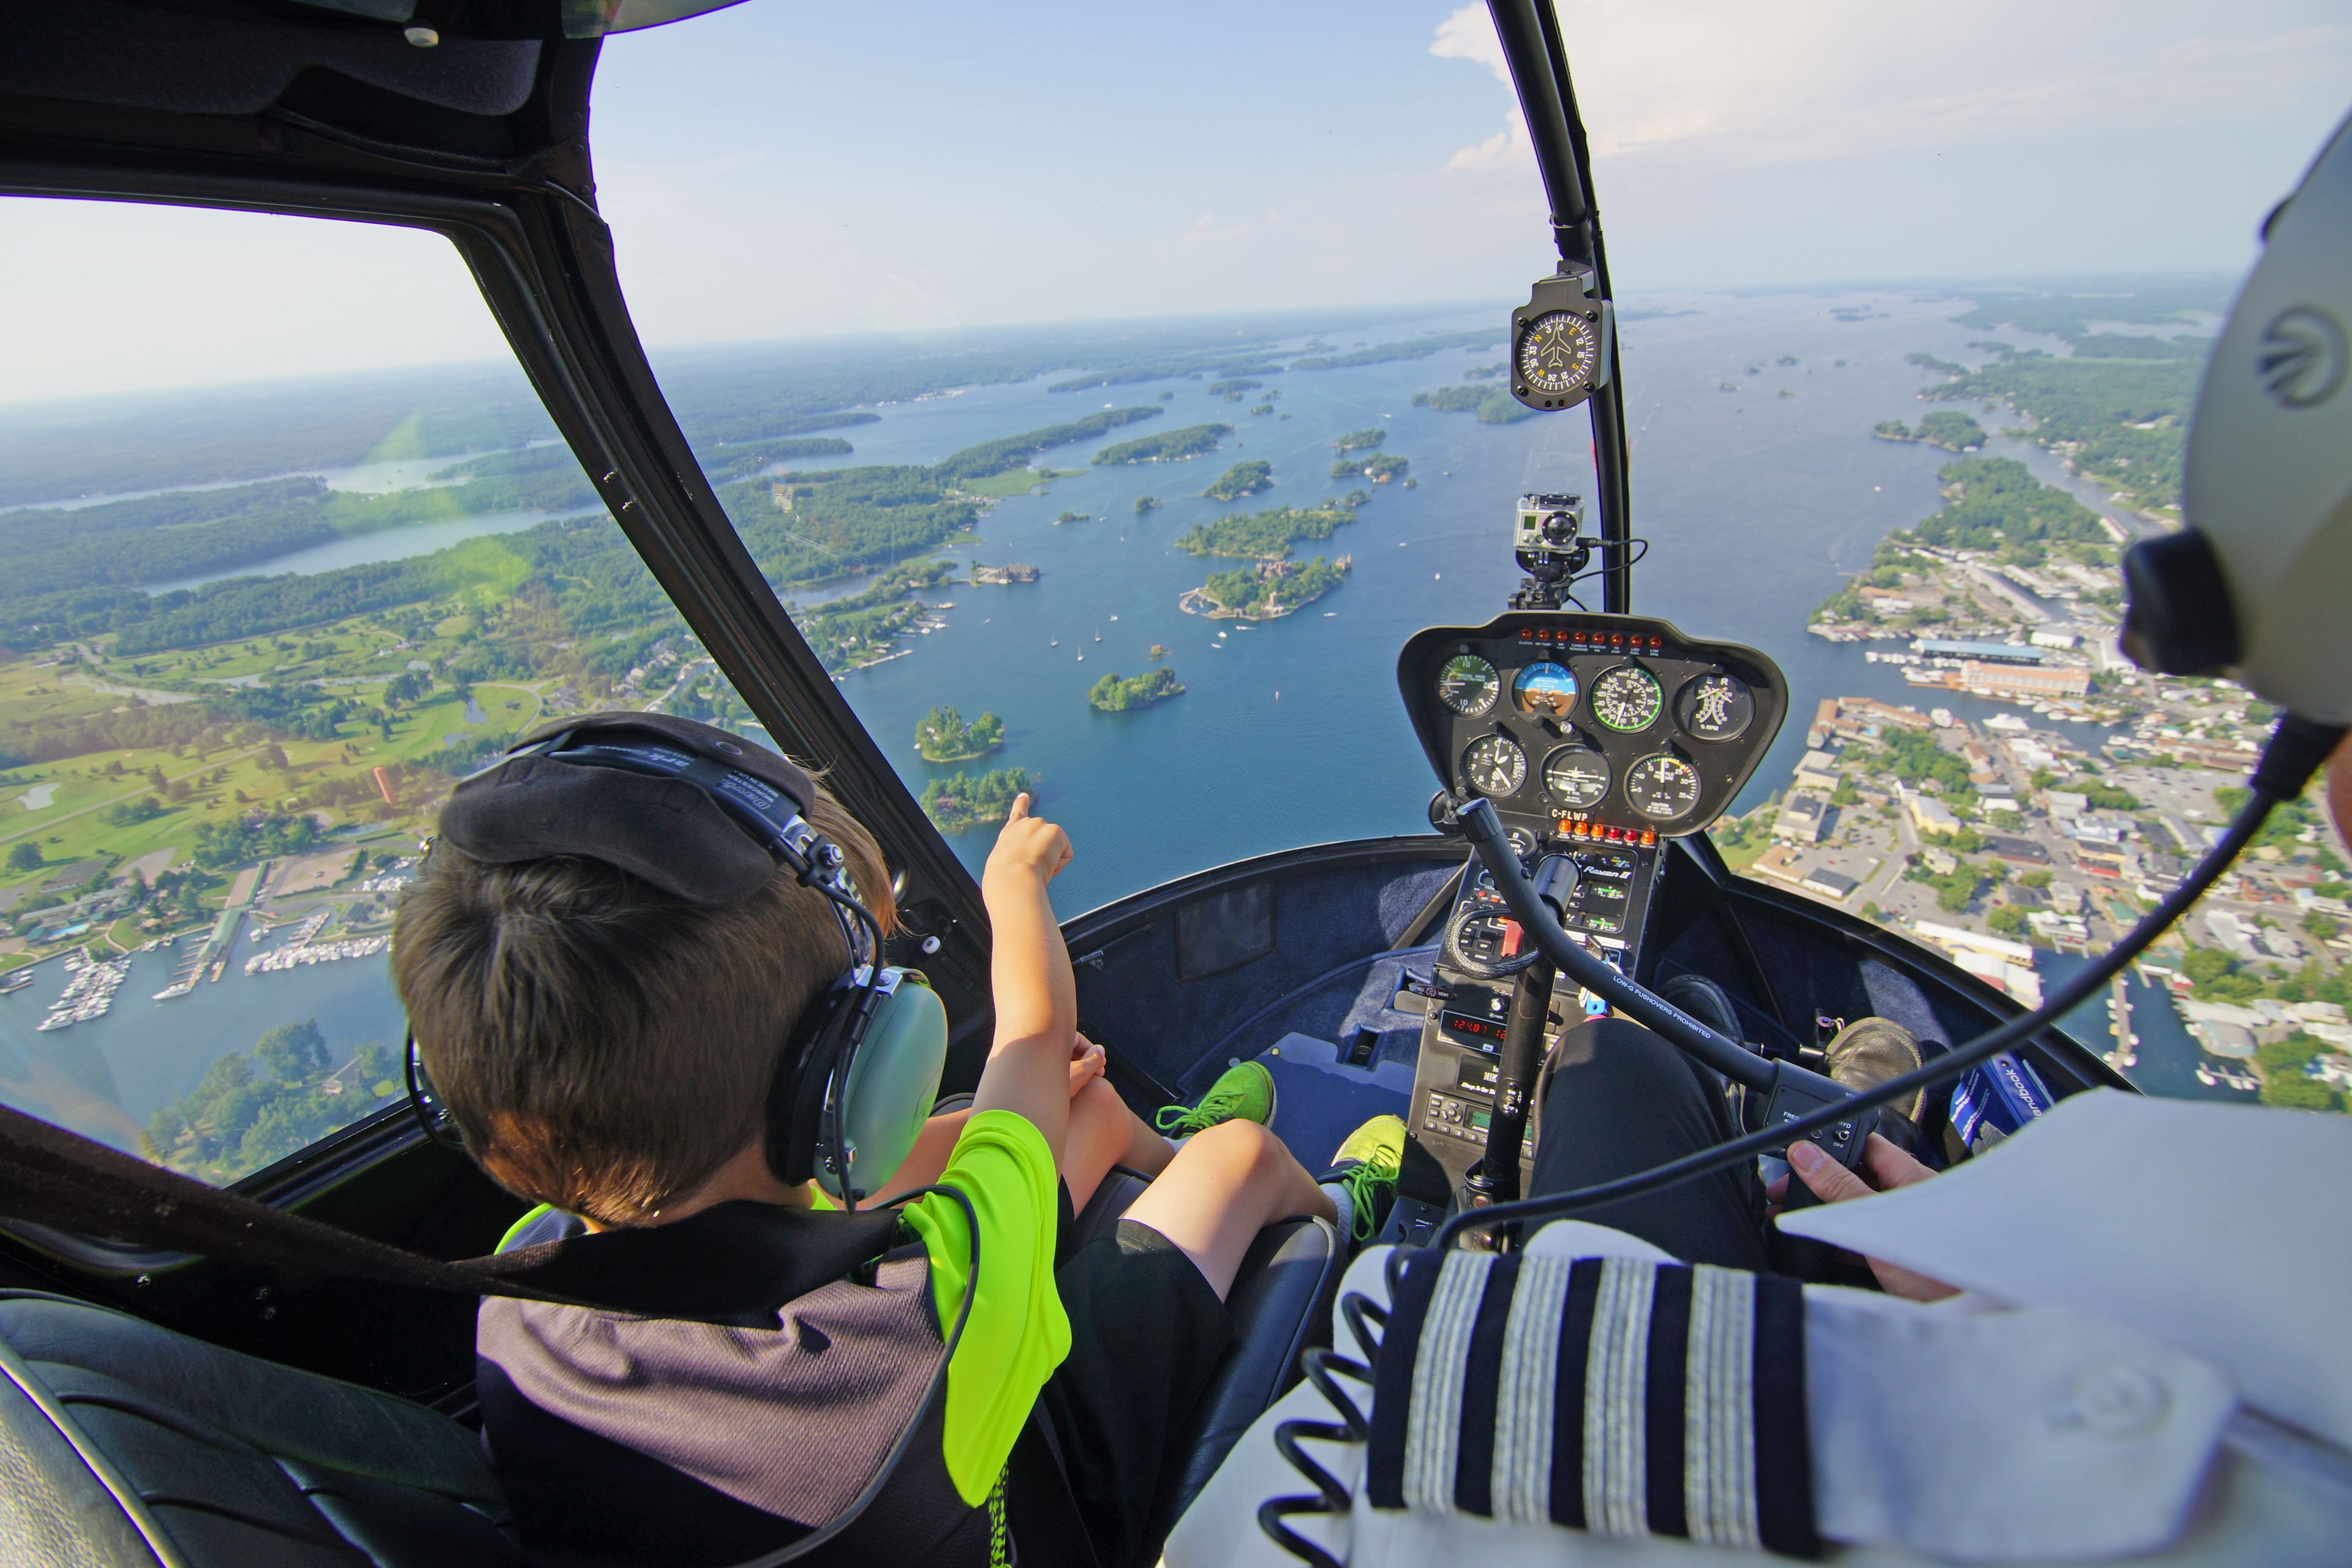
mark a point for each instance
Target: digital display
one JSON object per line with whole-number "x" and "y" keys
{"x": 1476, "y": 1076}
{"x": 1464, "y": 1024}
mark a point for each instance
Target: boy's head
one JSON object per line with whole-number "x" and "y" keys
{"x": 605, "y": 1045}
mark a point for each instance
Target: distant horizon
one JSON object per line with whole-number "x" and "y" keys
{"x": 1371, "y": 317}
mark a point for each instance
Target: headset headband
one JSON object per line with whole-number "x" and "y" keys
{"x": 683, "y": 805}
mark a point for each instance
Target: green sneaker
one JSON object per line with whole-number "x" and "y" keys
{"x": 1242, "y": 1092}
{"x": 1367, "y": 1166}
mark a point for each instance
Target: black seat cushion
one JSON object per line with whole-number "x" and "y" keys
{"x": 115, "y": 1434}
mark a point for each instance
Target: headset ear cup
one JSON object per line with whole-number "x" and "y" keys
{"x": 892, "y": 1082}
{"x": 796, "y": 1099}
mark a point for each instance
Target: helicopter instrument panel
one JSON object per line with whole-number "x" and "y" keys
{"x": 1592, "y": 728}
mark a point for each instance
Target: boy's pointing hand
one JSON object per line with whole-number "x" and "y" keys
{"x": 1029, "y": 843}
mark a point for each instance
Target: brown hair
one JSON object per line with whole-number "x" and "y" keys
{"x": 603, "y": 1045}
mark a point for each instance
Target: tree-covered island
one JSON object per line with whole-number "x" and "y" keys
{"x": 1360, "y": 440}
{"x": 1381, "y": 468}
{"x": 1116, "y": 693}
{"x": 1264, "y": 536}
{"x": 1168, "y": 446}
{"x": 1267, "y": 591}
{"x": 943, "y": 736}
{"x": 1243, "y": 480}
{"x": 1148, "y": 503}
{"x": 1953, "y": 432}
{"x": 1492, "y": 405}
{"x": 970, "y": 800}
{"x": 1231, "y": 389}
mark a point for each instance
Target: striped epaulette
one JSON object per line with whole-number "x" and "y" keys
{"x": 1619, "y": 1397}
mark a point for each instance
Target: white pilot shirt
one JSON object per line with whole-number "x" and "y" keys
{"x": 2148, "y": 1362}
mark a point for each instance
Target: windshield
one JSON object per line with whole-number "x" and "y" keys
{"x": 287, "y": 546}
{"x": 1110, "y": 408}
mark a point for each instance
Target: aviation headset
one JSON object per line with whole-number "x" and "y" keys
{"x": 710, "y": 819}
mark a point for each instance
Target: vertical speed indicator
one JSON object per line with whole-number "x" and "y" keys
{"x": 1469, "y": 685}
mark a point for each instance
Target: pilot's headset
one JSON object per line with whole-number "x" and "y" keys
{"x": 711, "y": 819}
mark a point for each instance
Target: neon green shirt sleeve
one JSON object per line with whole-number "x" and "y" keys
{"x": 1017, "y": 1333}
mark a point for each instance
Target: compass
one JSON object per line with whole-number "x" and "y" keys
{"x": 1560, "y": 343}
{"x": 1558, "y": 352}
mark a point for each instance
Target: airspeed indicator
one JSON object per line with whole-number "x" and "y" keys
{"x": 1628, "y": 699}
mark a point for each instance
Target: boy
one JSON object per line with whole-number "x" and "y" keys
{"x": 606, "y": 1049}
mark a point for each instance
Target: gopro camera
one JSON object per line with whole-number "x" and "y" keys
{"x": 1549, "y": 525}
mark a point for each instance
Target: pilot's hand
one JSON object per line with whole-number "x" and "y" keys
{"x": 1028, "y": 843}
{"x": 1086, "y": 1061}
{"x": 1888, "y": 1167}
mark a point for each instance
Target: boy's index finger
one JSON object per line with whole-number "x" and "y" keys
{"x": 1020, "y": 812}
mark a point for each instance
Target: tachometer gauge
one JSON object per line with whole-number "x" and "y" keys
{"x": 1494, "y": 766}
{"x": 1577, "y": 777}
{"x": 1545, "y": 688}
{"x": 1558, "y": 352}
{"x": 1469, "y": 685}
{"x": 1714, "y": 707}
{"x": 1628, "y": 699}
{"x": 1663, "y": 788}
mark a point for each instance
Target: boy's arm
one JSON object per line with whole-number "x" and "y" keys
{"x": 1028, "y": 1070}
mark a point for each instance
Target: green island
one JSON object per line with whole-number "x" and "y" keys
{"x": 1953, "y": 432}
{"x": 1168, "y": 446}
{"x": 1265, "y": 590}
{"x": 1148, "y": 503}
{"x": 1411, "y": 348}
{"x": 1379, "y": 467}
{"x": 943, "y": 736}
{"x": 961, "y": 801}
{"x": 1073, "y": 517}
{"x": 1230, "y": 390}
{"x": 1500, "y": 368}
{"x": 1116, "y": 693}
{"x": 861, "y": 628}
{"x": 253, "y": 1109}
{"x": 1017, "y": 481}
{"x": 1360, "y": 440}
{"x": 1261, "y": 409}
{"x": 1241, "y": 480}
{"x": 741, "y": 459}
{"x": 1221, "y": 362}
{"x": 1492, "y": 405}
{"x": 1265, "y": 535}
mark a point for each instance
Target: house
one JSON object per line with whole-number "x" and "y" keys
{"x": 2018, "y": 852}
{"x": 1930, "y": 816}
{"x": 1831, "y": 884}
{"x": 1938, "y": 859}
{"x": 2065, "y": 803}
{"x": 1816, "y": 770}
{"x": 1803, "y": 818}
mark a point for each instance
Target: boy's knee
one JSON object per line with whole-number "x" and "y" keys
{"x": 1244, "y": 1147}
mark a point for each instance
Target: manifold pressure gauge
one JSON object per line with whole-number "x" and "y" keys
{"x": 1561, "y": 343}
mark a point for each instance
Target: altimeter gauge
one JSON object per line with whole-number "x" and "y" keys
{"x": 1494, "y": 766}
{"x": 1577, "y": 777}
{"x": 1628, "y": 699}
{"x": 1469, "y": 685}
{"x": 1664, "y": 787}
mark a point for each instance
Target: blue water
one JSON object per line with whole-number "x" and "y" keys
{"x": 1290, "y": 731}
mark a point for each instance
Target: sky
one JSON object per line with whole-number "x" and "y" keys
{"x": 784, "y": 169}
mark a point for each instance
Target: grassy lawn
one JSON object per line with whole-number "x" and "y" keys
{"x": 1016, "y": 481}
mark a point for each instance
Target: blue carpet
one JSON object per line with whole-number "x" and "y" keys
{"x": 1318, "y": 1101}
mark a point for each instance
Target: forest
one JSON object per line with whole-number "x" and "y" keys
{"x": 1411, "y": 348}
{"x": 1167, "y": 446}
{"x": 1264, "y": 536}
{"x": 1116, "y": 693}
{"x": 1492, "y": 405}
{"x": 1993, "y": 501}
{"x": 1273, "y": 588}
{"x": 1241, "y": 480}
{"x": 960, "y": 801}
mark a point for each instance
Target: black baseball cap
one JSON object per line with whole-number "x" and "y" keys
{"x": 703, "y": 814}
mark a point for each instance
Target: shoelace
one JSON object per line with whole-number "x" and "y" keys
{"x": 1364, "y": 1184}
{"x": 1217, "y": 1105}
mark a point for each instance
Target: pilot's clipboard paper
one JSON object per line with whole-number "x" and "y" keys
{"x": 2213, "y": 1228}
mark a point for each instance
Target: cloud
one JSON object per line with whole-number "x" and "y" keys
{"x": 1207, "y": 232}
{"x": 1747, "y": 85}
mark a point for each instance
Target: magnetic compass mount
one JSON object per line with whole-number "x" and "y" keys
{"x": 1561, "y": 342}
